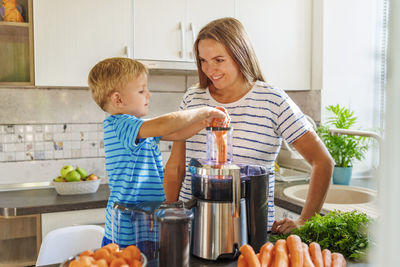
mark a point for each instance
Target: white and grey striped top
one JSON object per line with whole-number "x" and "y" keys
{"x": 260, "y": 120}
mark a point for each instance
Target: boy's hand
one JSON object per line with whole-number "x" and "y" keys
{"x": 216, "y": 117}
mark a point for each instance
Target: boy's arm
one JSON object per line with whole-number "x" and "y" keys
{"x": 185, "y": 133}
{"x": 175, "y": 121}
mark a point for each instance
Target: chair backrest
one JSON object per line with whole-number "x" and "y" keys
{"x": 62, "y": 243}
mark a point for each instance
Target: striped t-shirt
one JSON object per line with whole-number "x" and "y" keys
{"x": 260, "y": 120}
{"x": 135, "y": 172}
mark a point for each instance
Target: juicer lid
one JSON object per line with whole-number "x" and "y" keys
{"x": 146, "y": 206}
{"x": 172, "y": 215}
{"x": 204, "y": 168}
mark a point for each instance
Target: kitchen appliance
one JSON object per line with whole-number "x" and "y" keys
{"x": 174, "y": 236}
{"x": 159, "y": 230}
{"x": 230, "y": 201}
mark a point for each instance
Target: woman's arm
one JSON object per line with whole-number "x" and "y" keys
{"x": 314, "y": 152}
{"x": 175, "y": 170}
{"x": 175, "y": 121}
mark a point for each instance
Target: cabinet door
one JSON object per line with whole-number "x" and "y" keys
{"x": 202, "y": 12}
{"x": 159, "y": 29}
{"x": 54, "y": 220}
{"x": 281, "y": 33}
{"x": 70, "y": 37}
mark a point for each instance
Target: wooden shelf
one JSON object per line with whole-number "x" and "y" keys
{"x": 14, "y": 24}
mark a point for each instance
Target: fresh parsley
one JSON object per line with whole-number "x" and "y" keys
{"x": 344, "y": 232}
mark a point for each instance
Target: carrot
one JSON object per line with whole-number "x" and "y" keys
{"x": 241, "y": 262}
{"x": 338, "y": 260}
{"x": 266, "y": 254}
{"x": 327, "y": 257}
{"x": 307, "y": 258}
{"x": 102, "y": 253}
{"x": 316, "y": 254}
{"x": 136, "y": 263}
{"x": 281, "y": 254}
{"x": 134, "y": 250}
{"x": 88, "y": 252}
{"x": 101, "y": 263}
{"x": 249, "y": 255}
{"x": 112, "y": 247}
{"x": 220, "y": 136}
{"x": 295, "y": 250}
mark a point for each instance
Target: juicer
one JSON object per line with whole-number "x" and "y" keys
{"x": 230, "y": 200}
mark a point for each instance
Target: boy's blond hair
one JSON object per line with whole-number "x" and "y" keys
{"x": 110, "y": 75}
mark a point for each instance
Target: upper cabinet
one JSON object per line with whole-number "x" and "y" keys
{"x": 71, "y": 36}
{"x": 16, "y": 53}
{"x": 282, "y": 35}
{"x": 166, "y": 30}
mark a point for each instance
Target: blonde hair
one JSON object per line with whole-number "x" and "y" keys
{"x": 110, "y": 75}
{"x": 231, "y": 33}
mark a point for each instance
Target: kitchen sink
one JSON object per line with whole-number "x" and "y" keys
{"x": 339, "y": 197}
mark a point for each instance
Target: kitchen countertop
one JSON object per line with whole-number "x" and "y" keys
{"x": 45, "y": 200}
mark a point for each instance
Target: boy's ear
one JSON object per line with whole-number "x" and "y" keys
{"x": 115, "y": 99}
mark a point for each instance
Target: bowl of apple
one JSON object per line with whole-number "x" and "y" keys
{"x": 73, "y": 181}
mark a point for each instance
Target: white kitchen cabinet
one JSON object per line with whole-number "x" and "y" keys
{"x": 54, "y": 220}
{"x": 71, "y": 36}
{"x": 166, "y": 30}
{"x": 281, "y": 33}
{"x": 281, "y": 213}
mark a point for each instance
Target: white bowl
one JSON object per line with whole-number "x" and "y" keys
{"x": 74, "y": 188}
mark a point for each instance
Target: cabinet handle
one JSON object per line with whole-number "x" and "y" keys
{"x": 192, "y": 28}
{"x": 127, "y": 52}
{"x": 182, "y": 52}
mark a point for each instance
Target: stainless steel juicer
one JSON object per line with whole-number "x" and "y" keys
{"x": 230, "y": 204}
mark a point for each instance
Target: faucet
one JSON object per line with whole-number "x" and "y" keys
{"x": 356, "y": 133}
{"x": 377, "y": 137}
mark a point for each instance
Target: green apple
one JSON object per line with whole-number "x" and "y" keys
{"x": 59, "y": 179}
{"x": 73, "y": 176}
{"x": 65, "y": 170}
{"x": 82, "y": 172}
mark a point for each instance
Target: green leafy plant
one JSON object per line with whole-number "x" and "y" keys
{"x": 344, "y": 232}
{"x": 344, "y": 149}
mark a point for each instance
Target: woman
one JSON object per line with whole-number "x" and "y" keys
{"x": 261, "y": 115}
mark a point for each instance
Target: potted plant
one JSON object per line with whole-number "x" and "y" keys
{"x": 344, "y": 149}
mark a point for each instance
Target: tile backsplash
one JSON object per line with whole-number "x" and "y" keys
{"x": 28, "y": 142}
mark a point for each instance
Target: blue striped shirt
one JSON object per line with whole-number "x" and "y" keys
{"x": 260, "y": 120}
{"x": 135, "y": 171}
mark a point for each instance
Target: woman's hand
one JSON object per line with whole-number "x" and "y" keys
{"x": 286, "y": 225}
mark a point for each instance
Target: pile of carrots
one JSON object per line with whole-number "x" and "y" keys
{"x": 109, "y": 256}
{"x": 290, "y": 252}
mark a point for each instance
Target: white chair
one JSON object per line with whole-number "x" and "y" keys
{"x": 62, "y": 243}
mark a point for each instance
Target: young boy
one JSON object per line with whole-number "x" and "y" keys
{"x": 133, "y": 160}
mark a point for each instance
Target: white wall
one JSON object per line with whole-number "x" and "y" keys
{"x": 350, "y": 60}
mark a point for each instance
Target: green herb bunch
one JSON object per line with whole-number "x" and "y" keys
{"x": 343, "y": 232}
{"x": 344, "y": 149}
